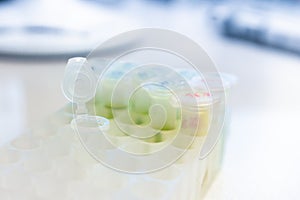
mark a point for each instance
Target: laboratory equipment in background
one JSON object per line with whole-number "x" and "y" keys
{"x": 269, "y": 23}
{"x": 56, "y": 28}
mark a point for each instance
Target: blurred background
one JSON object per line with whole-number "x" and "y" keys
{"x": 257, "y": 41}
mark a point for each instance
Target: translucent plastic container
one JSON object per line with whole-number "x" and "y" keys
{"x": 75, "y": 156}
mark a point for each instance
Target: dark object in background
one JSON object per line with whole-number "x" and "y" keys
{"x": 5, "y": 1}
{"x": 274, "y": 26}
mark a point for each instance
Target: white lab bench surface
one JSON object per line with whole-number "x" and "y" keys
{"x": 262, "y": 154}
